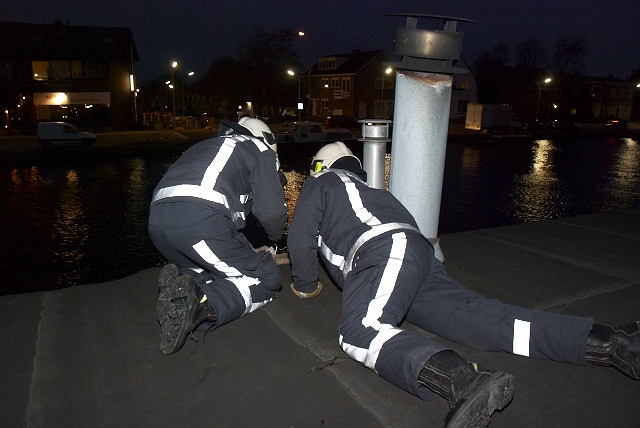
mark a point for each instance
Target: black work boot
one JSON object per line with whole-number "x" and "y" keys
{"x": 474, "y": 392}
{"x": 184, "y": 310}
{"x": 166, "y": 280}
{"x": 203, "y": 314}
{"x": 617, "y": 347}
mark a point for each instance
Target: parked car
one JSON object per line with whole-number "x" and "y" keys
{"x": 616, "y": 124}
{"x": 62, "y": 132}
{"x": 536, "y": 127}
{"x": 342, "y": 122}
{"x": 563, "y": 127}
{"x": 313, "y": 132}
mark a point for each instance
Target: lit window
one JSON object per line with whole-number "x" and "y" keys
{"x": 40, "y": 70}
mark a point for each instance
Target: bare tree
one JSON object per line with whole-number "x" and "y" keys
{"x": 266, "y": 56}
{"x": 485, "y": 66}
{"x": 569, "y": 55}
{"x": 531, "y": 53}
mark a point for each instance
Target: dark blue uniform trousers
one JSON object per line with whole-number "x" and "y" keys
{"x": 206, "y": 245}
{"x": 397, "y": 276}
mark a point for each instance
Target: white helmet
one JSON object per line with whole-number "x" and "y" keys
{"x": 329, "y": 154}
{"x": 249, "y": 126}
{"x": 260, "y": 130}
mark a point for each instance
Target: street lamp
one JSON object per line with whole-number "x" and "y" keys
{"x": 388, "y": 70}
{"x": 174, "y": 64}
{"x": 191, "y": 73}
{"x": 547, "y": 80}
{"x": 293, "y": 73}
{"x": 303, "y": 34}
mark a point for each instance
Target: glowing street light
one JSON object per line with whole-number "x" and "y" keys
{"x": 547, "y": 80}
{"x": 293, "y": 73}
{"x": 388, "y": 70}
{"x": 174, "y": 64}
{"x": 303, "y": 34}
{"x": 191, "y": 73}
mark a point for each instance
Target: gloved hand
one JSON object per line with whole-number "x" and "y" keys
{"x": 302, "y": 295}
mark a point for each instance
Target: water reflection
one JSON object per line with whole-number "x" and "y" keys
{"x": 70, "y": 230}
{"x": 72, "y": 222}
{"x": 538, "y": 194}
{"x": 624, "y": 173}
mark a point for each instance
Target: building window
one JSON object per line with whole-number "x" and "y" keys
{"x": 60, "y": 70}
{"x": 335, "y": 83}
{"x": 324, "y": 82}
{"x": 346, "y": 84}
{"x": 596, "y": 93}
{"x": 95, "y": 70}
{"x": 76, "y": 69}
{"x": 327, "y": 64}
{"x": 324, "y": 104}
{"x": 6, "y": 70}
{"x": 40, "y": 70}
{"x": 462, "y": 106}
{"x": 614, "y": 92}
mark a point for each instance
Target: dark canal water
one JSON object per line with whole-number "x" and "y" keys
{"x": 82, "y": 221}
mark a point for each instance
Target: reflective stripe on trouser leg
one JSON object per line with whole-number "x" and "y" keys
{"x": 448, "y": 309}
{"x": 250, "y": 291}
{"x": 376, "y": 297}
{"x": 369, "y": 356}
{"x": 521, "y": 337}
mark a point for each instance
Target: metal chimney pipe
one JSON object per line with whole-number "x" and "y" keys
{"x": 375, "y": 135}
{"x": 424, "y": 80}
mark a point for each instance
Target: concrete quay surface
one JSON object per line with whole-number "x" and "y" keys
{"x": 88, "y": 356}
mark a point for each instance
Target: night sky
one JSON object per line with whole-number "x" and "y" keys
{"x": 196, "y": 31}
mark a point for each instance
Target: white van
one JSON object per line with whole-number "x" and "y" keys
{"x": 61, "y": 132}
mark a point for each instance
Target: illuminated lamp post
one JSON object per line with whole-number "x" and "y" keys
{"x": 547, "y": 80}
{"x": 293, "y": 73}
{"x": 174, "y": 64}
{"x": 303, "y": 34}
{"x": 388, "y": 70}
{"x": 191, "y": 73}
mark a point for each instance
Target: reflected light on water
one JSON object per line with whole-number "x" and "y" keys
{"x": 74, "y": 221}
{"x": 70, "y": 229}
{"x": 624, "y": 172}
{"x": 537, "y": 194}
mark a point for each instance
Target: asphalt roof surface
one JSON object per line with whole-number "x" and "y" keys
{"x": 88, "y": 355}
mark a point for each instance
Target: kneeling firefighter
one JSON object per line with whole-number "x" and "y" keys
{"x": 214, "y": 275}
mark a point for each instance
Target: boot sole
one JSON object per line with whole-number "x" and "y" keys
{"x": 176, "y": 315}
{"x": 476, "y": 410}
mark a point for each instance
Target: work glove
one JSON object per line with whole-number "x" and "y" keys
{"x": 303, "y": 295}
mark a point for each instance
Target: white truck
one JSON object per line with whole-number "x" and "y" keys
{"x": 62, "y": 132}
{"x": 490, "y": 116}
